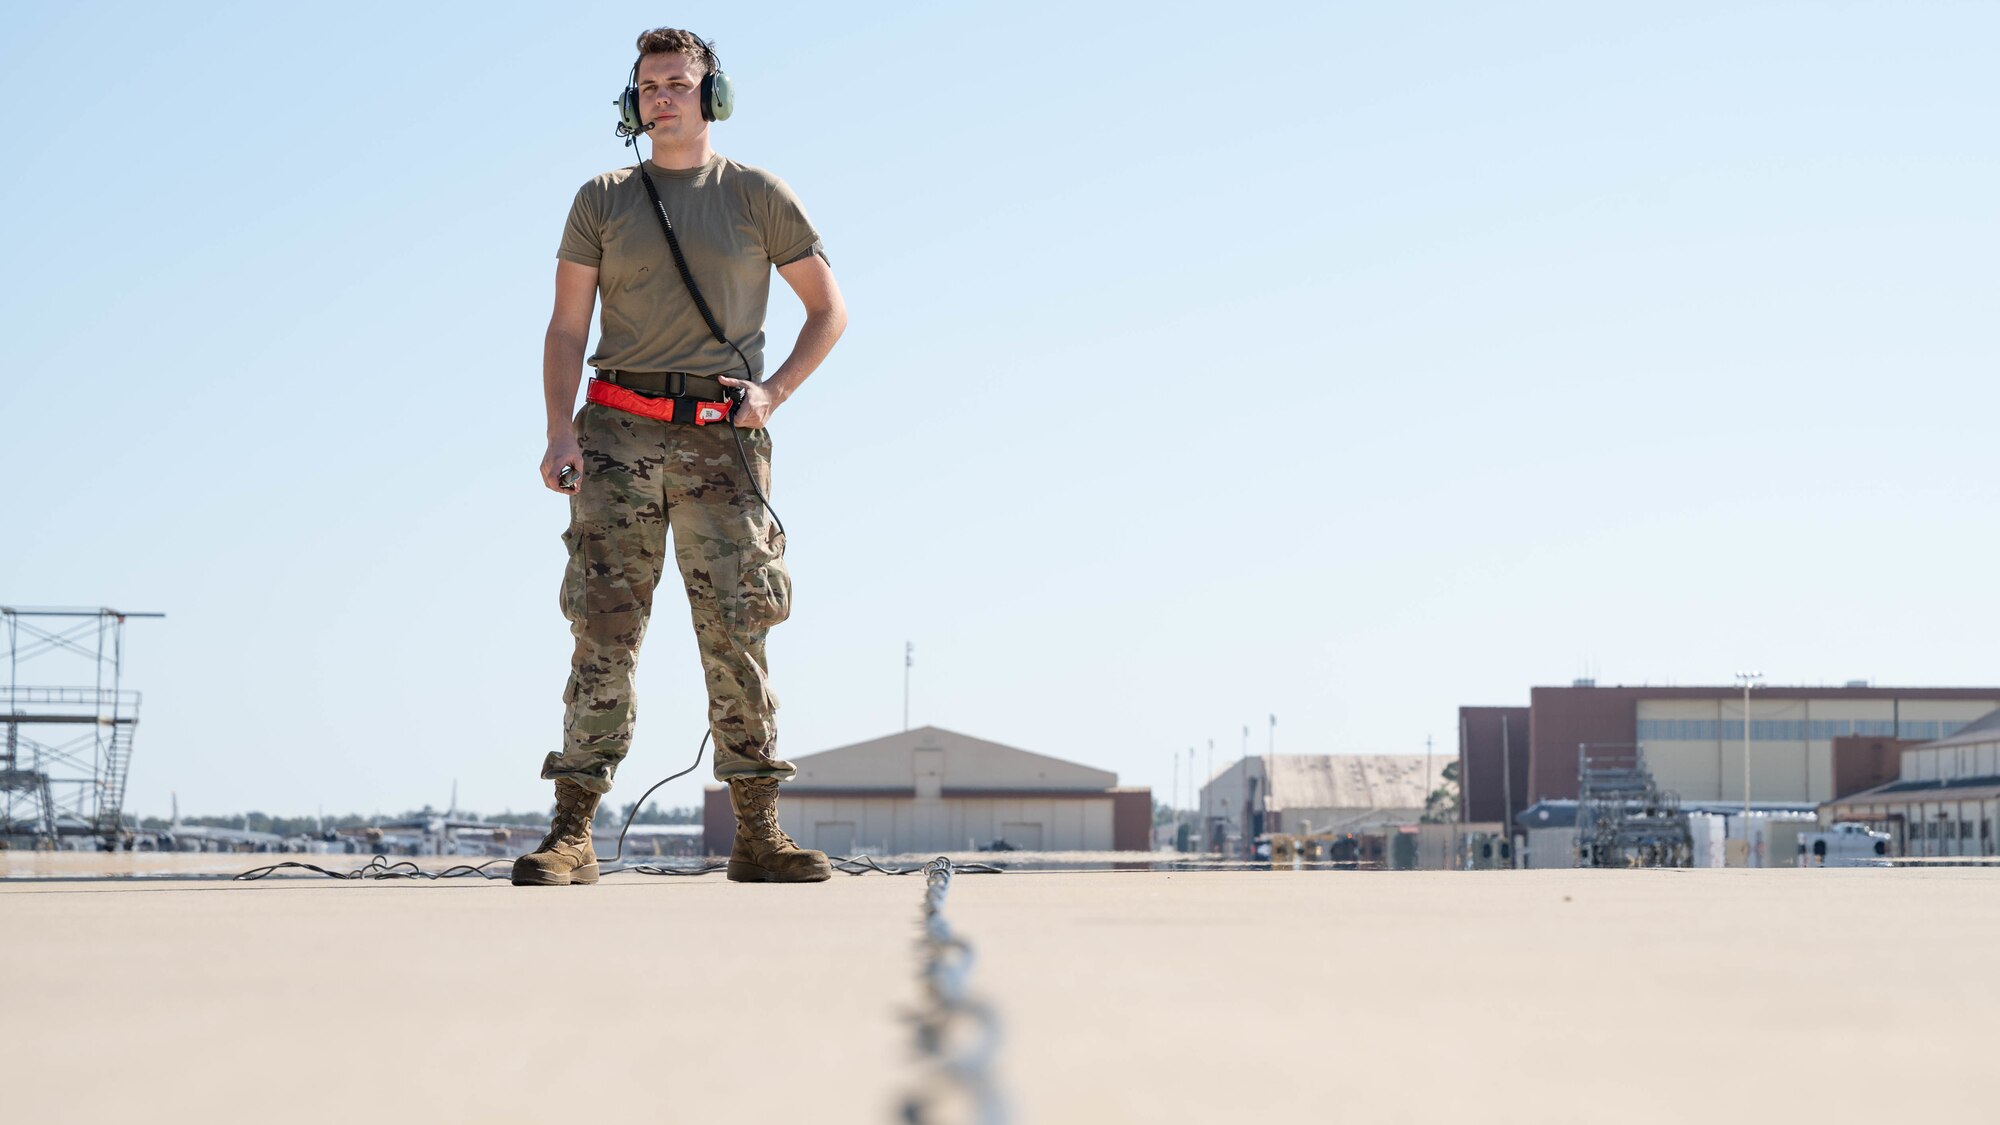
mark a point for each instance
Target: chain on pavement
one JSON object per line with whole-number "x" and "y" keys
{"x": 957, "y": 1035}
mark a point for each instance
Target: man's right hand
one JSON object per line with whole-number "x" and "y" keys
{"x": 563, "y": 451}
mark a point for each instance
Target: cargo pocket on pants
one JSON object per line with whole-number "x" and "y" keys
{"x": 766, "y": 593}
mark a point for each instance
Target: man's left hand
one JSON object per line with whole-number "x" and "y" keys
{"x": 759, "y": 402}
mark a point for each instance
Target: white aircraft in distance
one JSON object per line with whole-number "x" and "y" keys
{"x": 230, "y": 839}
{"x": 434, "y": 833}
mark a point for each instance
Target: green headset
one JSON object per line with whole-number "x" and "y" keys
{"x": 718, "y": 94}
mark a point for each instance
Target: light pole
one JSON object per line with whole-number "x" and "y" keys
{"x": 1208, "y": 801}
{"x": 1243, "y": 776}
{"x": 1272, "y": 752}
{"x": 1748, "y": 680}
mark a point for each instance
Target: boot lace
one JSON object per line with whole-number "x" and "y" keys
{"x": 763, "y": 818}
{"x": 569, "y": 822}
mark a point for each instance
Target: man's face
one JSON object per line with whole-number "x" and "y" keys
{"x": 670, "y": 96}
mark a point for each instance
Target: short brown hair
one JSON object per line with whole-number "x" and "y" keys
{"x": 674, "y": 41}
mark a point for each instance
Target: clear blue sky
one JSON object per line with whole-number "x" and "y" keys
{"x": 1348, "y": 362}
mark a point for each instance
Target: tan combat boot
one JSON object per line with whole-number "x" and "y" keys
{"x": 763, "y": 853}
{"x": 565, "y": 855}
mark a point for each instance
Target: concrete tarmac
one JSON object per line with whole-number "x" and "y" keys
{"x": 1544, "y": 996}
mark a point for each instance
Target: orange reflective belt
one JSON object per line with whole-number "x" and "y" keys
{"x": 659, "y": 409}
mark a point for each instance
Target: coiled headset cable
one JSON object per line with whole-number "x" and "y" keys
{"x": 714, "y": 329}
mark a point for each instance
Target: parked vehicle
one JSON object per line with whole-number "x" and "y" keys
{"x": 1844, "y": 845}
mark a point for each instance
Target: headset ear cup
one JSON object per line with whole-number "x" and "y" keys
{"x": 718, "y": 96}
{"x": 628, "y": 110}
{"x": 628, "y": 104}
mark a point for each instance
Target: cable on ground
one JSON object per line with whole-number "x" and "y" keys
{"x": 957, "y": 1035}
{"x": 381, "y": 867}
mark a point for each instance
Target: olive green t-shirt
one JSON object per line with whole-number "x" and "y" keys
{"x": 734, "y": 223}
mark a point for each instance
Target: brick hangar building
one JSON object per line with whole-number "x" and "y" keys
{"x": 1807, "y": 744}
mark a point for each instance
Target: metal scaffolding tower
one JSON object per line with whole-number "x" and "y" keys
{"x": 68, "y": 748}
{"x": 1623, "y": 817}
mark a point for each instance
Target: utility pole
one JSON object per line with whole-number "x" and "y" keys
{"x": 909, "y": 660}
{"x": 1506, "y": 789}
{"x": 1177, "y": 794}
{"x": 1243, "y": 776}
{"x": 1208, "y": 802}
{"x": 1271, "y": 751}
{"x": 1749, "y": 680}
{"x": 1430, "y": 780}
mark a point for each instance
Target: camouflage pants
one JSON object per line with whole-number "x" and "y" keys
{"x": 642, "y": 477}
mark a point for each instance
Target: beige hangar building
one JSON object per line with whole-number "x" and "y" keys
{"x": 931, "y": 790}
{"x": 1695, "y": 747}
{"x": 1806, "y": 744}
{"x": 1944, "y": 801}
{"x": 1320, "y": 793}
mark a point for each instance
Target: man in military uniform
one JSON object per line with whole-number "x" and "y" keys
{"x": 655, "y": 448}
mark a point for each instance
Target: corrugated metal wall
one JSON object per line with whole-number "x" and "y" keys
{"x": 902, "y": 825}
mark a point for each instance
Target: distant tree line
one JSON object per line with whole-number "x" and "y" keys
{"x": 652, "y": 814}
{"x": 264, "y": 822}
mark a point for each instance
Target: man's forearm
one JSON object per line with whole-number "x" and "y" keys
{"x": 562, "y": 371}
{"x": 816, "y": 338}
